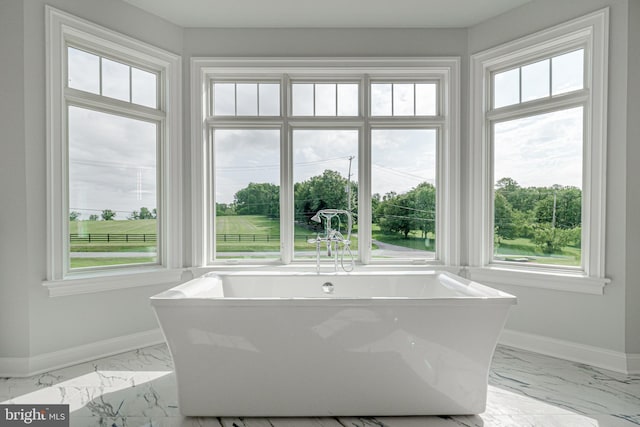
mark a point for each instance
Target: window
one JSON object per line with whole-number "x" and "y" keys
{"x": 540, "y": 155}
{"x": 283, "y": 139}
{"x": 113, "y": 143}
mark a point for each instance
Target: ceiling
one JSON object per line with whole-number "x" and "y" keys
{"x": 326, "y": 13}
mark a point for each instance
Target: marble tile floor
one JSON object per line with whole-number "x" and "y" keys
{"x": 138, "y": 388}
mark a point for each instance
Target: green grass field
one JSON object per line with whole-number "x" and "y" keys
{"x": 142, "y": 226}
{"x": 101, "y": 262}
{"x": 116, "y": 226}
{"x": 517, "y": 250}
{"x": 524, "y": 250}
{"x": 229, "y": 227}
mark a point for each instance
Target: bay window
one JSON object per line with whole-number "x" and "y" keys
{"x": 279, "y": 140}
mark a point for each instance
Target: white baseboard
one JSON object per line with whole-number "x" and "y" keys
{"x": 633, "y": 364}
{"x": 575, "y": 352}
{"x": 27, "y": 366}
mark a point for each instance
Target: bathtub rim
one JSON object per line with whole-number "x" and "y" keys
{"x": 492, "y": 296}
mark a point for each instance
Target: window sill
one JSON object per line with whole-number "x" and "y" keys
{"x": 541, "y": 279}
{"x": 85, "y": 283}
{"x": 303, "y": 266}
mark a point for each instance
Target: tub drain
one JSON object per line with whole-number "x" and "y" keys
{"x": 327, "y": 288}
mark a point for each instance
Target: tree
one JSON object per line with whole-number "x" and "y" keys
{"x": 393, "y": 214}
{"x": 567, "y": 211}
{"x": 503, "y": 217}
{"x": 258, "y": 199}
{"x": 108, "y": 214}
{"x": 223, "y": 209}
{"x": 326, "y": 191}
{"x": 74, "y": 215}
{"x": 375, "y": 202}
{"x": 403, "y": 213}
{"x": 93, "y": 217}
{"x": 145, "y": 213}
{"x": 550, "y": 239}
{"x": 425, "y": 207}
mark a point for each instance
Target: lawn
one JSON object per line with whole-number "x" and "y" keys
{"x": 414, "y": 240}
{"x": 114, "y": 227}
{"x": 248, "y": 233}
{"x": 524, "y": 250}
{"x": 141, "y": 226}
{"x": 138, "y": 226}
{"x": 101, "y": 262}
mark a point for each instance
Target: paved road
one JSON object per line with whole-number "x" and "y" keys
{"x": 388, "y": 250}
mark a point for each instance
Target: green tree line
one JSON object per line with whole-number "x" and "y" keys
{"x": 550, "y": 216}
{"x": 394, "y": 213}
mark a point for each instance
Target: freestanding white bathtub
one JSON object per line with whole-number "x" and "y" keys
{"x": 282, "y": 344}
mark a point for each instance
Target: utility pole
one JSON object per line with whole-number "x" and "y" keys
{"x": 350, "y": 158}
{"x": 553, "y": 219}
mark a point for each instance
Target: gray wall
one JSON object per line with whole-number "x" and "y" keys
{"x": 587, "y": 319}
{"x": 31, "y": 323}
{"x": 633, "y": 181}
{"x": 14, "y": 293}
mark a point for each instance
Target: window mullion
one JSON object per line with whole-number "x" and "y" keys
{"x": 364, "y": 178}
{"x": 286, "y": 177}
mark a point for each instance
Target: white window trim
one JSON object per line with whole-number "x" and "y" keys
{"x": 60, "y": 28}
{"x": 449, "y": 155}
{"x": 590, "y": 31}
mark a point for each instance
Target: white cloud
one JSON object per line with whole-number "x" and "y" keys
{"x": 540, "y": 151}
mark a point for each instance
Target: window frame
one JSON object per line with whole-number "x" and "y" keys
{"x": 332, "y": 70}
{"x": 62, "y": 31}
{"x": 591, "y": 33}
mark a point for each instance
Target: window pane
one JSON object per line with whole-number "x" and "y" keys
{"x": 325, "y": 99}
{"x": 224, "y": 96}
{"x": 538, "y": 193}
{"x": 247, "y": 99}
{"x": 403, "y": 186}
{"x": 348, "y": 99}
{"x": 112, "y": 189}
{"x": 568, "y": 72}
{"x": 247, "y": 193}
{"x": 324, "y": 164}
{"x": 535, "y": 80}
{"x": 83, "y": 70}
{"x": 269, "y": 99}
{"x": 506, "y": 88}
{"x": 403, "y": 100}
{"x": 426, "y": 100}
{"x": 302, "y": 95}
{"x": 144, "y": 88}
{"x": 381, "y": 99}
{"x": 115, "y": 80}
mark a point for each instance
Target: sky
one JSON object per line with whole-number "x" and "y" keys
{"x": 113, "y": 159}
{"x": 545, "y": 149}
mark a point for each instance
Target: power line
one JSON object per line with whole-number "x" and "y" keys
{"x": 277, "y": 166}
